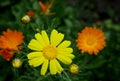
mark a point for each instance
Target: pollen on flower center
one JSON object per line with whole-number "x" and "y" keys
{"x": 50, "y": 52}
{"x": 90, "y": 41}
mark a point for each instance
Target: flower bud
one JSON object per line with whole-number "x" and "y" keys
{"x": 74, "y": 69}
{"x": 37, "y": 30}
{"x": 25, "y": 19}
{"x": 31, "y": 14}
{"x": 17, "y": 63}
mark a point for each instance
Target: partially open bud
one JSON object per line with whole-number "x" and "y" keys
{"x": 74, "y": 69}
{"x": 17, "y": 63}
{"x": 31, "y": 14}
{"x": 25, "y": 19}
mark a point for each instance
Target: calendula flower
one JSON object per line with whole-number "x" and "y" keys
{"x": 46, "y": 8}
{"x": 74, "y": 69}
{"x": 25, "y": 19}
{"x": 31, "y": 14}
{"x": 91, "y": 40}
{"x": 9, "y": 41}
{"x": 17, "y": 63}
{"x": 50, "y": 52}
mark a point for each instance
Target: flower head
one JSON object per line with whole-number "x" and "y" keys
{"x": 46, "y": 8}
{"x": 9, "y": 41}
{"x": 48, "y": 52}
{"x": 91, "y": 40}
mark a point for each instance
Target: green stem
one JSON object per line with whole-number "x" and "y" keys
{"x": 67, "y": 76}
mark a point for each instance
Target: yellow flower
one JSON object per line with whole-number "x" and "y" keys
{"x": 48, "y": 52}
{"x": 74, "y": 69}
{"x": 91, "y": 40}
{"x": 17, "y": 63}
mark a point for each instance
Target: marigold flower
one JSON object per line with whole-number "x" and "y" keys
{"x": 91, "y": 40}
{"x": 74, "y": 69}
{"x": 6, "y": 54}
{"x": 46, "y": 8}
{"x": 17, "y": 63}
{"x": 31, "y": 14}
{"x": 9, "y": 41}
{"x": 25, "y": 19}
{"x": 48, "y": 52}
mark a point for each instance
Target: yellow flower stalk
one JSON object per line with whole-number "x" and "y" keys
{"x": 49, "y": 51}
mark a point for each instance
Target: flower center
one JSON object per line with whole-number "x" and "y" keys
{"x": 50, "y": 52}
{"x": 90, "y": 41}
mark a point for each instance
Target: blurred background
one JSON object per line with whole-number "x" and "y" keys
{"x": 70, "y": 17}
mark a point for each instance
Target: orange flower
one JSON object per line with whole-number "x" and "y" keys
{"x": 46, "y": 8}
{"x": 91, "y": 40}
{"x": 6, "y": 53}
{"x": 11, "y": 39}
{"x": 31, "y": 14}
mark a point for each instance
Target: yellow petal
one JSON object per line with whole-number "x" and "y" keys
{"x": 65, "y": 50}
{"x": 39, "y": 38}
{"x": 35, "y": 45}
{"x": 34, "y": 55}
{"x": 64, "y": 59}
{"x": 59, "y": 38}
{"x": 45, "y": 37}
{"x": 36, "y": 61}
{"x": 44, "y": 67}
{"x": 68, "y": 55}
{"x": 56, "y": 38}
{"x": 53, "y": 68}
{"x": 64, "y": 44}
{"x": 60, "y": 69}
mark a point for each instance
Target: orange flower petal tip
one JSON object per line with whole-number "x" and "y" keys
{"x": 31, "y": 14}
{"x": 7, "y": 54}
{"x": 46, "y": 8}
